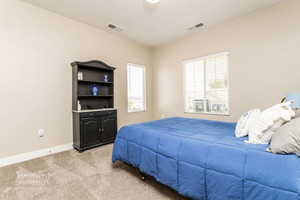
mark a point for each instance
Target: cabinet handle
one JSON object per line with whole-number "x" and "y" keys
{"x": 101, "y": 130}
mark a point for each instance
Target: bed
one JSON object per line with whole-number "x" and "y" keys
{"x": 203, "y": 160}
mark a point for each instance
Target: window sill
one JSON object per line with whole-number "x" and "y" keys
{"x": 140, "y": 111}
{"x": 208, "y": 113}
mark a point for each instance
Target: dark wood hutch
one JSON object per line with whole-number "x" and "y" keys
{"x": 94, "y": 115}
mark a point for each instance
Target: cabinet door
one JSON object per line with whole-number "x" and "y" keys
{"x": 91, "y": 132}
{"x": 109, "y": 128}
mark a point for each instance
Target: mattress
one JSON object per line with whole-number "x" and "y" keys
{"x": 203, "y": 160}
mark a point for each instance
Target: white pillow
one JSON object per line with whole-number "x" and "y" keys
{"x": 242, "y": 127}
{"x": 264, "y": 126}
{"x": 267, "y": 135}
{"x": 260, "y": 133}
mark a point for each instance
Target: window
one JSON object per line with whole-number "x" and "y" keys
{"x": 206, "y": 84}
{"x": 136, "y": 88}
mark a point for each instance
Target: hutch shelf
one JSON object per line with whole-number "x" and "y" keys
{"x": 94, "y": 115}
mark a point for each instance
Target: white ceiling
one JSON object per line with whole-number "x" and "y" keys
{"x": 152, "y": 24}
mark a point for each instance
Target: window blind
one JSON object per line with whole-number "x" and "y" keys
{"x": 136, "y": 88}
{"x": 206, "y": 84}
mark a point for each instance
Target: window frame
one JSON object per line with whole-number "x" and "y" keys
{"x": 144, "y": 89}
{"x": 184, "y": 62}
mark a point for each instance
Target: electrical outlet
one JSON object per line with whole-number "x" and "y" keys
{"x": 41, "y": 133}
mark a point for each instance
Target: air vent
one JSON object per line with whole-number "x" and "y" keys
{"x": 114, "y": 27}
{"x": 196, "y": 26}
{"x": 153, "y": 1}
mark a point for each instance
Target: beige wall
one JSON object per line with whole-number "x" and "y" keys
{"x": 37, "y": 46}
{"x": 264, "y": 61}
{"x": 36, "y": 49}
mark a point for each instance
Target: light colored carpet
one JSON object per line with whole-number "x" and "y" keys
{"x": 78, "y": 176}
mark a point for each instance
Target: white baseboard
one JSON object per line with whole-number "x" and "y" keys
{"x": 35, "y": 154}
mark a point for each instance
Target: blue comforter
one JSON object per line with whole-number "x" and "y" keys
{"x": 202, "y": 159}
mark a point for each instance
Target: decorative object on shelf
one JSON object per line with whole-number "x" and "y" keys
{"x": 79, "y": 106}
{"x": 80, "y": 76}
{"x": 95, "y": 90}
{"x": 105, "y": 78}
